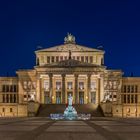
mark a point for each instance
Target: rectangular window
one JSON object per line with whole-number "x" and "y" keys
{"x": 136, "y": 98}
{"x": 46, "y": 84}
{"x": 86, "y": 59}
{"x": 93, "y": 85}
{"x": 15, "y": 88}
{"x": 52, "y": 59}
{"x": 11, "y": 98}
{"x": 11, "y": 109}
{"x": 81, "y": 85}
{"x": 82, "y": 58}
{"x": 15, "y": 98}
{"x": 136, "y": 88}
{"x": 3, "y": 98}
{"x": 78, "y": 57}
{"x": 91, "y": 59}
{"x": 7, "y": 88}
{"x": 124, "y": 98}
{"x": 124, "y": 88}
{"x": 3, "y": 109}
{"x": 69, "y": 85}
{"x": 7, "y": 98}
{"x": 48, "y": 59}
{"x": 57, "y": 58}
{"x": 132, "y": 89}
{"x": 73, "y": 57}
{"x": 3, "y": 88}
{"x": 128, "y": 99}
{"x": 132, "y": 98}
{"x": 58, "y": 85}
{"x": 11, "y": 88}
{"x": 128, "y": 88}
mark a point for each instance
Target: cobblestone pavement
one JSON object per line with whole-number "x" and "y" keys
{"x": 45, "y": 129}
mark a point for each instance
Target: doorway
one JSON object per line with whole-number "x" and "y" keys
{"x": 58, "y": 97}
{"x": 93, "y": 97}
{"x": 81, "y": 97}
{"x": 46, "y": 98}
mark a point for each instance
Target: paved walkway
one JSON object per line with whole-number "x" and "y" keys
{"x": 45, "y": 129}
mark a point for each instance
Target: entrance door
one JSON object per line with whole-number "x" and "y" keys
{"x": 93, "y": 97}
{"x": 58, "y": 97}
{"x": 46, "y": 98}
{"x": 81, "y": 97}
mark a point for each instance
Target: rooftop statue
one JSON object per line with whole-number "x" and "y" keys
{"x": 69, "y": 39}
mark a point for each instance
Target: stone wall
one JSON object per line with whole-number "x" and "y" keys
{"x": 13, "y": 110}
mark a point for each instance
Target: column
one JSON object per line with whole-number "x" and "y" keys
{"x": 38, "y": 91}
{"x": 89, "y": 87}
{"x": 51, "y": 87}
{"x": 98, "y": 100}
{"x": 76, "y": 89}
{"x": 63, "y": 88}
{"x": 101, "y": 88}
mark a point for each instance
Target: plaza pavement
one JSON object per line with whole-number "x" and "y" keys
{"x": 44, "y": 129}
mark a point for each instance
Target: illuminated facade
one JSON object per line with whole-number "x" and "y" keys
{"x": 69, "y": 69}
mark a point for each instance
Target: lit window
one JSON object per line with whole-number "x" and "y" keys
{"x": 81, "y": 85}
{"x": 69, "y": 85}
{"x": 46, "y": 84}
{"x": 93, "y": 85}
{"x": 58, "y": 85}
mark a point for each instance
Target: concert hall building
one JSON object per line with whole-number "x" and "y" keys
{"x": 70, "y": 69}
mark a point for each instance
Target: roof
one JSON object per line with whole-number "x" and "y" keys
{"x": 69, "y": 46}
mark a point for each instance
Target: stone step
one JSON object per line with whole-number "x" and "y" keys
{"x": 46, "y": 109}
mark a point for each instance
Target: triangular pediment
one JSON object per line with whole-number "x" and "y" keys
{"x": 67, "y": 47}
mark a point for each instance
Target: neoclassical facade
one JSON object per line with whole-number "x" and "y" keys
{"x": 70, "y": 69}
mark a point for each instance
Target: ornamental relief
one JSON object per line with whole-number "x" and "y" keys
{"x": 109, "y": 85}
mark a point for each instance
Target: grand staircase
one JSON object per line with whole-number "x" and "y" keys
{"x": 46, "y": 109}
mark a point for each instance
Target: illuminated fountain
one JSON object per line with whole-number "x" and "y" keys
{"x": 70, "y": 113}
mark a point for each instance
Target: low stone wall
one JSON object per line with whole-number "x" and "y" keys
{"x": 13, "y": 110}
{"x": 33, "y": 108}
{"x": 107, "y": 109}
{"x": 126, "y": 110}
